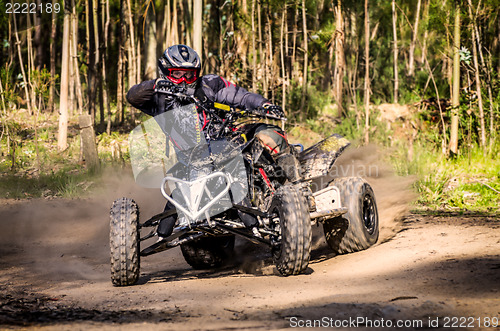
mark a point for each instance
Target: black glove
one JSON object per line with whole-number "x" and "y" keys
{"x": 273, "y": 110}
{"x": 163, "y": 84}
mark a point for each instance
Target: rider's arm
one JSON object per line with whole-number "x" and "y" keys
{"x": 218, "y": 89}
{"x": 141, "y": 96}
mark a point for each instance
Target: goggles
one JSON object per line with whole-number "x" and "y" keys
{"x": 178, "y": 75}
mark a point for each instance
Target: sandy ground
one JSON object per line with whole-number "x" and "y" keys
{"x": 426, "y": 271}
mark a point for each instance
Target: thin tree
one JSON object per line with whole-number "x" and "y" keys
{"x": 149, "y": 26}
{"x": 62, "y": 137}
{"x": 282, "y": 57}
{"x": 91, "y": 58}
{"x": 174, "y": 35}
{"x": 261, "y": 52}
{"x": 395, "y": 51}
{"x": 367, "y": 74}
{"x": 53, "y": 33}
{"x": 38, "y": 37}
{"x": 306, "y": 57}
{"x": 294, "y": 40}
{"x": 254, "y": 51}
{"x": 121, "y": 60}
{"x": 488, "y": 77}
{"x": 340, "y": 65}
{"x": 131, "y": 46}
{"x": 478, "y": 81}
{"x": 21, "y": 63}
{"x": 104, "y": 55}
{"x": 425, "y": 19}
{"x": 165, "y": 28}
{"x": 411, "y": 65}
{"x": 198, "y": 26}
{"x": 100, "y": 58}
{"x": 354, "y": 60}
{"x": 74, "y": 58}
{"x": 455, "y": 101}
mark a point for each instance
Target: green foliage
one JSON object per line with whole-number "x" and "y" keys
{"x": 467, "y": 182}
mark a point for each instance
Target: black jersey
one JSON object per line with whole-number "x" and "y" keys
{"x": 209, "y": 87}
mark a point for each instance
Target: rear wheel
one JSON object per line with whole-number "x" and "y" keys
{"x": 208, "y": 252}
{"x": 292, "y": 254}
{"x": 357, "y": 229}
{"x": 124, "y": 242}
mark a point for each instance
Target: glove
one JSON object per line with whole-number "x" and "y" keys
{"x": 273, "y": 110}
{"x": 163, "y": 84}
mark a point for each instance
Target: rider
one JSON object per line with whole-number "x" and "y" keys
{"x": 180, "y": 66}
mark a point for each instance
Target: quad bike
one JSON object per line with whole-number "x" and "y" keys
{"x": 217, "y": 173}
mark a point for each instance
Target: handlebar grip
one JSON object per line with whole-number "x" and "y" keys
{"x": 263, "y": 114}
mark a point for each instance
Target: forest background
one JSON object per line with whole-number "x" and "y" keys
{"x": 419, "y": 79}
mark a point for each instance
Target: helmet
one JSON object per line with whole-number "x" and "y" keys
{"x": 179, "y": 63}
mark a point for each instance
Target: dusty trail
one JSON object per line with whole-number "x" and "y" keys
{"x": 54, "y": 274}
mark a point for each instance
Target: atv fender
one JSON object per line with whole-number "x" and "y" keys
{"x": 317, "y": 160}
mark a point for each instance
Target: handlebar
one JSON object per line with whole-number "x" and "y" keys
{"x": 179, "y": 92}
{"x": 261, "y": 113}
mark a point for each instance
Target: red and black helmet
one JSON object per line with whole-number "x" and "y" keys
{"x": 179, "y": 63}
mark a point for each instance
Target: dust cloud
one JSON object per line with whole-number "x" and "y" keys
{"x": 60, "y": 239}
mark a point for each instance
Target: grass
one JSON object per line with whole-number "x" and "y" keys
{"x": 466, "y": 182}
{"x": 67, "y": 184}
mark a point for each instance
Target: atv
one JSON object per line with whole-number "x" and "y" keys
{"x": 218, "y": 173}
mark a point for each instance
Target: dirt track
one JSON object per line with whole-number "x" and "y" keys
{"x": 54, "y": 274}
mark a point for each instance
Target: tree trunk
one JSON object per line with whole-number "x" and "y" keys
{"x": 121, "y": 58}
{"x": 262, "y": 66}
{"x": 89, "y": 147}
{"x": 411, "y": 67}
{"x": 395, "y": 49}
{"x": 91, "y": 51}
{"x": 63, "y": 103}
{"x": 282, "y": 56}
{"x": 74, "y": 58}
{"x": 100, "y": 59}
{"x": 131, "y": 60}
{"x": 455, "y": 102}
{"x": 174, "y": 36}
{"x": 354, "y": 60}
{"x": 53, "y": 33}
{"x": 38, "y": 37}
{"x": 21, "y": 63}
{"x": 105, "y": 55}
{"x": 32, "y": 84}
{"x": 294, "y": 40}
{"x": 367, "y": 74}
{"x": 306, "y": 58}
{"x": 478, "y": 81}
{"x": 339, "y": 58}
{"x": 132, "y": 55}
{"x": 425, "y": 18}
{"x": 498, "y": 43}
{"x": 167, "y": 24}
{"x": 488, "y": 82}
{"x": 270, "y": 58}
{"x": 254, "y": 51}
{"x": 150, "y": 45}
{"x": 198, "y": 27}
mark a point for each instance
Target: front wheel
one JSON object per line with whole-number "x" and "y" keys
{"x": 357, "y": 229}
{"x": 292, "y": 254}
{"x": 124, "y": 242}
